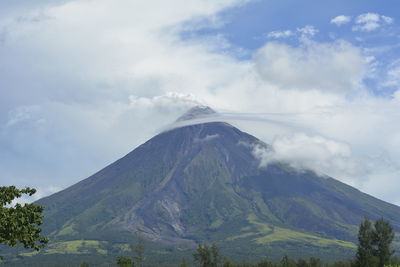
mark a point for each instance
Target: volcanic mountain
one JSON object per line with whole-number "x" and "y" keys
{"x": 202, "y": 183}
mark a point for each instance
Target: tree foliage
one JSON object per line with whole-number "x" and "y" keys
{"x": 374, "y": 243}
{"x": 204, "y": 257}
{"x": 138, "y": 249}
{"x": 207, "y": 256}
{"x": 19, "y": 224}
{"x": 287, "y": 262}
{"x": 365, "y": 252}
{"x": 184, "y": 263}
{"x": 302, "y": 263}
{"x": 124, "y": 262}
{"x": 382, "y": 238}
{"x": 315, "y": 262}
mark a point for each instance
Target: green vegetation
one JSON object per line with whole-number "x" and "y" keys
{"x": 138, "y": 249}
{"x": 365, "y": 255}
{"x": 19, "y": 224}
{"x": 374, "y": 244}
{"x": 76, "y": 247}
{"x": 207, "y": 256}
{"x": 124, "y": 262}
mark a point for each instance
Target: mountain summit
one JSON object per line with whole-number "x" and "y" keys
{"x": 202, "y": 183}
{"x": 196, "y": 112}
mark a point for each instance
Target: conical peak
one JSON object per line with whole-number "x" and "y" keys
{"x": 196, "y": 113}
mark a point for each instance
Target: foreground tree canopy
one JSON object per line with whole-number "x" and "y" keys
{"x": 374, "y": 244}
{"x": 19, "y": 224}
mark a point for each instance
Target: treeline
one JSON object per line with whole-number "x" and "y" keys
{"x": 209, "y": 256}
{"x": 206, "y": 256}
{"x": 374, "y": 250}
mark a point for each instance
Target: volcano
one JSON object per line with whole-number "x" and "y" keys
{"x": 202, "y": 183}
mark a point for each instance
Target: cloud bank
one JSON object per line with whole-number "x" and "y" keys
{"x": 304, "y": 152}
{"x": 332, "y": 67}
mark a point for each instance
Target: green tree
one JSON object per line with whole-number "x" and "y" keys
{"x": 228, "y": 263}
{"x": 315, "y": 262}
{"x": 265, "y": 263}
{"x": 19, "y": 224}
{"x": 287, "y": 262}
{"x": 302, "y": 263}
{"x": 184, "y": 263}
{"x": 138, "y": 250}
{"x": 365, "y": 252}
{"x": 382, "y": 238}
{"x": 374, "y": 244}
{"x": 341, "y": 264}
{"x": 207, "y": 256}
{"x": 124, "y": 262}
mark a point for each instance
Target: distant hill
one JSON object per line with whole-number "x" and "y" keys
{"x": 202, "y": 184}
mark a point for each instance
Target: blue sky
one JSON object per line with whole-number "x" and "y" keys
{"x": 84, "y": 82}
{"x": 247, "y": 27}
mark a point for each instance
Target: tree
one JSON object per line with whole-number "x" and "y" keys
{"x": 207, "y": 256}
{"x": 19, "y": 224}
{"x": 265, "y": 263}
{"x": 315, "y": 262}
{"x": 124, "y": 262}
{"x": 382, "y": 237}
{"x": 228, "y": 263}
{"x": 365, "y": 252}
{"x": 215, "y": 255}
{"x": 287, "y": 262}
{"x": 374, "y": 243}
{"x": 302, "y": 263}
{"x": 184, "y": 263}
{"x": 138, "y": 249}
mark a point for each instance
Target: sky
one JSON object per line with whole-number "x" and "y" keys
{"x": 84, "y": 82}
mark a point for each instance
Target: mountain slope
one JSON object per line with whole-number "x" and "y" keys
{"x": 202, "y": 183}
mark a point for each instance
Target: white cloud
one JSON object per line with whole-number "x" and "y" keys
{"x": 22, "y": 114}
{"x": 371, "y": 21}
{"x": 308, "y": 31}
{"x": 332, "y": 67}
{"x": 304, "y": 152}
{"x": 208, "y": 138}
{"x": 393, "y": 75}
{"x": 367, "y": 22}
{"x": 169, "y": 101}
{"x": 340, "y": 20}
{"x": 304, "y": 33}
{"x": 280, "y": 34}
{"x": 388, "y": 20}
